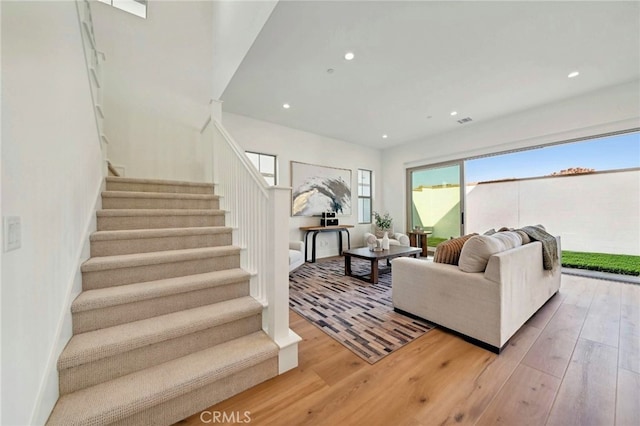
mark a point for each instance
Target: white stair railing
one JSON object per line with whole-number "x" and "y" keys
{"x": 259, "y": 215}
{"x": 94, "y": 59}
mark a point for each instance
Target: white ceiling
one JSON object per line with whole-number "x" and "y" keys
{"x": 419, "y": 59}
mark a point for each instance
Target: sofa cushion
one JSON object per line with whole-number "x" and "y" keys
{"x": 526, "y": 239}
{"x": 511, "y": 239}
{"x": 449, "y": 251}
{"x": 477, "y": 251}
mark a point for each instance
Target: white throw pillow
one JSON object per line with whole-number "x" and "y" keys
{"x": 477, "y": 250}
{"x": 511, "y": 239}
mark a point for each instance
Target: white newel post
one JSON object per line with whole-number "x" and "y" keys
{"x": 277, "y": 280}
{"x": 259, "y": 216}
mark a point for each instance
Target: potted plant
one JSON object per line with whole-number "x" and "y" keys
{"x": 383, "y": 223}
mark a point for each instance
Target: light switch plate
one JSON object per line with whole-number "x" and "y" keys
{"x": 12, "y": 235}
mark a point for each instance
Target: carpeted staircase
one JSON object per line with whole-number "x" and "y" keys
{"x": 165, "y": 326}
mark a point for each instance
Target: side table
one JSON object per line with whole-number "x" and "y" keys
{"x": 419, "y": 239}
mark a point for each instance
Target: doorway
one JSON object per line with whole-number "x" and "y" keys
{"x": 436, "y": 200}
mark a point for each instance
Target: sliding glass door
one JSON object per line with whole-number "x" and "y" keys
{"x": 436, "y": 200}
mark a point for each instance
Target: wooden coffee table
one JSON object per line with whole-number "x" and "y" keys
{"x": 374, "y": 257}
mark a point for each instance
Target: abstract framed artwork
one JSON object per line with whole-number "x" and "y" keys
{"x": 317, "y": 189}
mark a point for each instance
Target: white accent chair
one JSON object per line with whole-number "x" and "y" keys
{"x": 296, "y": 255}
{"x": 395, "y": 239}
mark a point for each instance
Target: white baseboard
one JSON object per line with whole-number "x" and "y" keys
{"x": 288, "y": 356}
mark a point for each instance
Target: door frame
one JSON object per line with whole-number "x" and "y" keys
{"x": 409, "y": 190}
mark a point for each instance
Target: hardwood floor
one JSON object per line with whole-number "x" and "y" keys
{"x": 576, "y": 362}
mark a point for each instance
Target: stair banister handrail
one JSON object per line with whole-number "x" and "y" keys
{"x": 257, "y": 177}
{"x": 258, "y": 214}
{"x": 93, "y": 62}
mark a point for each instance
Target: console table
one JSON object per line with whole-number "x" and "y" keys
{"x": 315, "y": 230}
{"x": 419, "y": 239}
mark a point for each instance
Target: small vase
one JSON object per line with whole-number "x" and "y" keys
{"x": 385, "y": 241}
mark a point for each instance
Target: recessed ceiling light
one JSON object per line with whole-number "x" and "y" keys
{"x": 454, "y": 112}
{"x": 384, "y": 136}
{"x": 573, "y": 74}
{"x": 349, "y": 56}
{"x": 286, "y": 106}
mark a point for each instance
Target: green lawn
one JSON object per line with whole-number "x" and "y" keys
{"x": 434, "y": 241}
{"x": 615, "y": 263}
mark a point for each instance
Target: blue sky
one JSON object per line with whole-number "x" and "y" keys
{"x": 617, "y": 152}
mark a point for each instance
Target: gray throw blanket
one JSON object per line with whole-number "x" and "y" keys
{"x": 549, "y": 245}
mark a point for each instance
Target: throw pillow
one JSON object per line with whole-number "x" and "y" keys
{"x": 477, "y": 251}
{"x": 449, "y": 251}
{"x": 490, "y": 232}
{"x": 510, "y": 239}
{"x": 525, "y": 237}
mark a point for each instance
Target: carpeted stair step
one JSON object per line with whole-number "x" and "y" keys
{"x": 108, "y": 271}
{"x": 169, "y": 392}
{"x": 110, "y": 243}
{"x": 157, "y": 200}
{"x": 120, "y": 219}
{"x": 157, "y": 185}
{"x": 102, "y": 355}
{"x": 107, "y": 307}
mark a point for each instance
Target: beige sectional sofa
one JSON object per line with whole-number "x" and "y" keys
{"x": 487, "y": 307}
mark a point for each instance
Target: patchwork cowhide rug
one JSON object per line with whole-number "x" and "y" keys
{"x": 356, "y": 313}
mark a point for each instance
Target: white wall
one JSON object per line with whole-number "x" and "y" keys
{"x": 51, "y": 174}
{"x": 595, "y": 212}
{"x": 157, "y": 86}
{"x": 236, "y": 24}
{"x": 614, "y": 108}
{"x": 1, "y": 364}
{"x": 294, "y": 145}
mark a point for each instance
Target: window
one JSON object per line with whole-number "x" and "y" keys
{"x": 586, "y": 181}
{"x": 611, "y": 152}
{"x": 136, "y": 7}
{"x": 265, "y": 164}
{"x": 364, "y": 196}
{"x": 436, "y": 199}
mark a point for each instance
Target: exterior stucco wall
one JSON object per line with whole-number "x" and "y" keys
{"x": 598, "y": 212}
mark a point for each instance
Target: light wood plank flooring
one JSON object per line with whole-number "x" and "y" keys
{"x": 576, "y": 362}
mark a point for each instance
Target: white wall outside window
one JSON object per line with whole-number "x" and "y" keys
{"x": 593, "y": 212}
